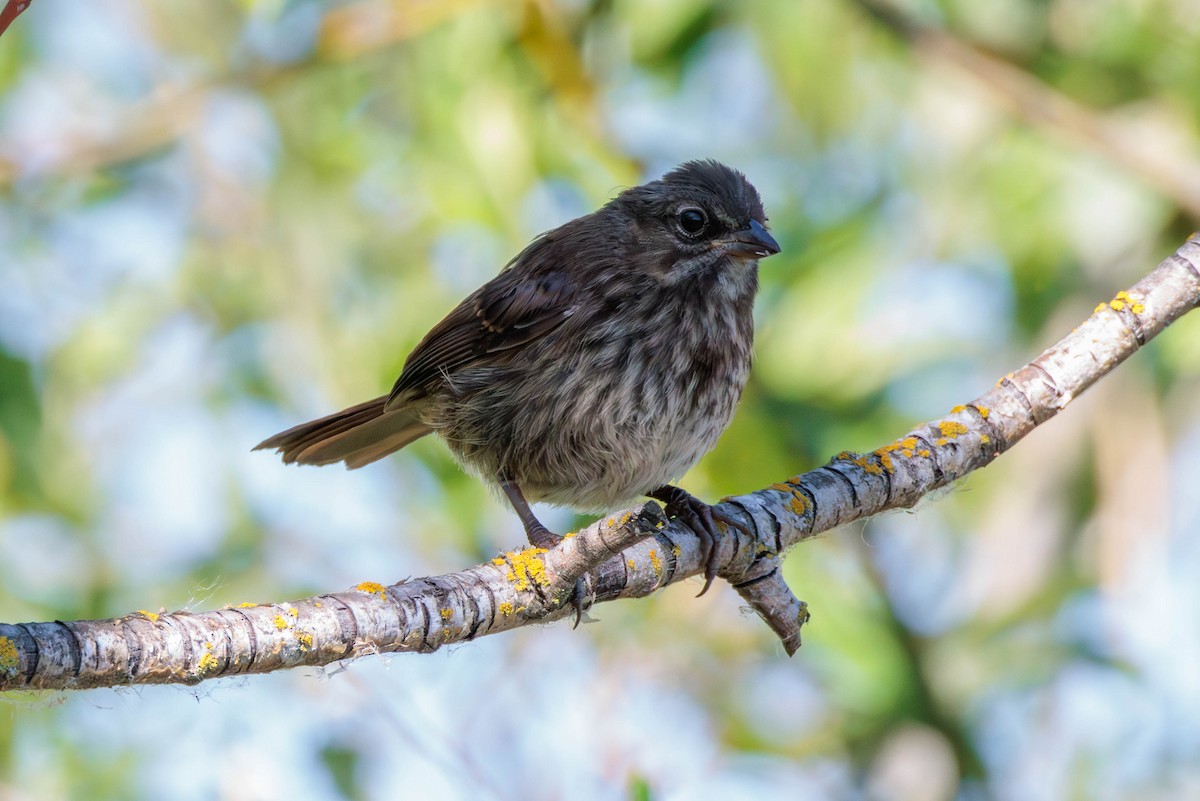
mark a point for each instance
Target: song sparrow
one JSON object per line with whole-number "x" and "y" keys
{"x": 598, "y": 366}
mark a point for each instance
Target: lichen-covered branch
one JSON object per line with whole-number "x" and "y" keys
{"x": 628, "y": 555}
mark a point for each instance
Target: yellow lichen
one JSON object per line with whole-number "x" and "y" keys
{"x": 247, "y": 605}
{"x": 208, "y": 662}
{"x": 447, "y": 613}
{"x": 1099, "y": 308}
{"x": 941, "y": 442}
{"x": 10, "y": 660}
{"x": 890, "y": 448}
{"x": 1123, "y": 300}
{"x": 506, "y": 608}
{"x": 305, "y": 639}
{"x": 632, "y": 565}
{"x": 526, "y": 568}
{"x": 781, "y": 488}
{"x": 151, "y": 616}
{"x": 951, "y": 429}
{"x": 958, "y": 409}
{"x": 984, "y": 439}
{"x": 292, "y": 611}
{"x": 983, "y": 411}
{"x": 676, "y": 550}
{"x": 863, "y": 462}
{"x": 614, "y": 522}
{"x": 281, "y": 622}
{"x": 655, "y": 562}
{"x": 569, "y": 535}
{"x": 375, "y": 588}
{"x": 798, "y": 504}
{"x": 904, "y": 446}
{"x": 924, "y": 453}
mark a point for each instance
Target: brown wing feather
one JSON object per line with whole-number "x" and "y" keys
{"x": 528, "y": 300}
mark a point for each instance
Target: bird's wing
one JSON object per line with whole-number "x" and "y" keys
{"x": 528, "y": 300}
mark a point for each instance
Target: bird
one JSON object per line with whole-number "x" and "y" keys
{"x": 597, "y": 367}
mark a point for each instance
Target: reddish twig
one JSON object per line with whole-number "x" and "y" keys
{"x": 12, "y": 9}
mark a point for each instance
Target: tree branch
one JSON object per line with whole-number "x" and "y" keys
{"x": 628, "y": 555}
{"x": 12, "y": 9}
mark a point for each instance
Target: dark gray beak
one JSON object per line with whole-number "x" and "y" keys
{"x": 752, "y": 243}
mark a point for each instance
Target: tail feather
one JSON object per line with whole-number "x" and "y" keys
{"x": 357, "y": 436}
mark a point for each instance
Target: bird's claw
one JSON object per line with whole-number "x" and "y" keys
{"x": 702, "y": 519}
{"x": 576, "y": 601}
{"x": 542, "y": 537}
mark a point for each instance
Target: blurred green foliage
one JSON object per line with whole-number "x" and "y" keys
{"x": 222, "y": 218}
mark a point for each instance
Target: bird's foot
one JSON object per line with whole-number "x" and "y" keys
{"x": 700, "y": 518}
{"x": 540, "y": 536}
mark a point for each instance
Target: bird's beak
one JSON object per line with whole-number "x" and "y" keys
{"x": 751, "y": 243}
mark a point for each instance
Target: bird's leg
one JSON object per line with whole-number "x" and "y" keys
{"x": 539, "y": 535}
{"x": 700, "y": 518}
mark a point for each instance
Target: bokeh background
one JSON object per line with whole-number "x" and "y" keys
{"x": 221, "y": 218}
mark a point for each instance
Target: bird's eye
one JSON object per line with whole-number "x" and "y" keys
{"x": 693, "y": 221}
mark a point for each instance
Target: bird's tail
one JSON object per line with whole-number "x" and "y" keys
{"x": 357, "y": 436}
